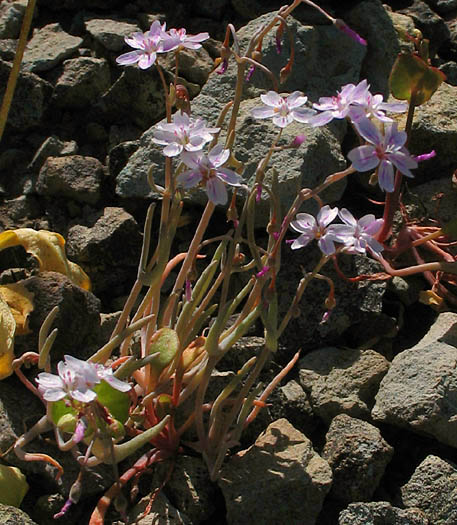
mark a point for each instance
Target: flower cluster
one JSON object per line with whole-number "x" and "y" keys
{"x": 157, "y": 40}
{"x": 283, "y": 110}
{"x": 356, "y": 236}
{"x": 76, "y": 379}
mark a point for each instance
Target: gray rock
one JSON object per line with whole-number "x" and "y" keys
{"x": 212, "y": 8}
{"x": 49, "y": 46}
{"x": 11, "y": 15}
{"x": 372, "y": 21}
{"x": 52, "y": 147}
{"x": 439, "y": 198}
{"x": 358, "y": 456}
{"x": 280, "y": 479}
{"x": 403, "y": 25}
{"x": 194, "y": 66}
{"x": 110, "y": 33}
{"x": 433, "y": 489}
{"x": 434, "y": 129}
{"x": 135, "y": 97}
{"x": 442, "y": 7}
{"x": 431, "y": 25}
{"x": 78, "y": 320}
{"x": 342, "y": 381}
{"x": 82, "y": 82}
{"x": 450, "y": 70}
{"x": 190, "y": 488}
{"x": 443, "y": 330}
{"x": 419, "y": 392}
{"x": 74, "y": 177}
{"x": 380, "y": 513}
{"x": 30, "y": 100}
{"x": 8, "y": 49}
{"x": 108, "y": 244}
{"x": 161, "y": 511}
{"x": 14, "y": 516}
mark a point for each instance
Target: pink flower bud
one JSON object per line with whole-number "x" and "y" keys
{"x": 298, "y": 141}
{"x": 425, "y": 156}
{"x": 250, "y": 73}
{"x": 342, "y": 26}
{"x": 262, "y": 272}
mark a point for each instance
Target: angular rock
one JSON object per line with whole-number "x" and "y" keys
{"x": 109, "y": 247}
{"x": 342, "y": 381}
{"x": 14, "y": 516}
{"x": 439, "y": 198}
{"x": 373, "y": 22}
{"x": 433, "y": 489}
{"x": 30, "y": 99}
{"x": 82, "y": 82}
{"x": 280, "y": 479}
{"x": 8, "y": 49}
{"x": 431, "y": 25}
{"x": 358, "y": 456}
{"x": 49, "y": 46}
{"x": 136, "y": 96}
{"x": 190, "y": 488}
{"x": 110, "y": 33}
{"x": 72, "y": 177}
{"x": 162, "y": 511}
{"x": 52, "y": 147}
{"x": 77, "y": 321}
{"x": 419, "y": 392}
{"x": 11, "y": 15}
{"x": 380, "y": 513}
{"x": 434, "y": 129}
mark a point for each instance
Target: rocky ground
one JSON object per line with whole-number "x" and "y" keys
{"x": 364, "y": 431}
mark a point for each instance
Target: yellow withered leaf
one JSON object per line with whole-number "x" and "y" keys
{"x": 20, "y": 301}
{"x": 49, "y": 249}
{"x": 7, "y": 330}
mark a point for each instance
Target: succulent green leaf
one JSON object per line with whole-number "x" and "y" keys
{"x": 60, "y": 409}
{"x": 165, "y": 343}
{"x": 116, "y": 402}
{"x": 13, "y": 486}
{"x": 414, "y": 80}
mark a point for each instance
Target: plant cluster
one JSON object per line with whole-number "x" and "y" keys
{"x": 106, "y": 408}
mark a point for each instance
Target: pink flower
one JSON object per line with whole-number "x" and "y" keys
{"x": 208, "y": 171}
{"x": 316, "y": 228}
{"x": 383, "y": 153}
{"x": 339, "y": 106}
{"x": 183, "y": 134}
{"x": 146, "y": 45}
{"x": 284, "y": 110}
{"x": 178, "y": 38}
{"x": 358, "y": 235}
{"x": 373, "y": 106}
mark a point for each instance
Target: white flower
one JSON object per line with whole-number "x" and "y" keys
{"x": 358, "y": 235}
{"x": 383, "y": 153}
{"x": 338, "y": 106}
{"x": 316, "y": 228}
{"x": 207, "y": 170}
{"x": 184, "y": 133}
{"x": 373, "y": 106}
{"x": 178, "y": 38}
{"x": 284, "y": 110}
{"x": 146, "y": 45}
{"x": 75, "y": 379}
{"x": 106, "y": 374}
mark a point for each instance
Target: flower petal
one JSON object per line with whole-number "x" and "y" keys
{"x": 363, "y": 158}
{"x": 369, "y": 131}
{"x": 302, "y": 241}
{"x": 386, "y": 176}
{"x": 229, "y": 176}
{"x": 129, "y": 58}
{"x": 263, "y": 112}
{"x": 347, "y": 217}
{"x": 304, "y": 223}
{"x": 326, "y": 215}
{"x": 271, "y": 99}
{"x": 216, "y": 191}
{"x": 189, "y": 179}
{"x": 146, "y": 60}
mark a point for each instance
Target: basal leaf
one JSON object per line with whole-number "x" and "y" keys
{"x": 414, "y": 80}
{"x": 117, "y": 402}
{"x": 19, "y": 299}
{"x": 7, "y": 331}
{"x": 165, "y": 342}
{"x": 49, "y": 250}
{"x": 13, "y": 486}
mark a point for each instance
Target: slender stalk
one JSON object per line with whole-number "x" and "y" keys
{"x": 14, "y": 73}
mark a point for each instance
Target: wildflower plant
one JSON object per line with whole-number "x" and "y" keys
{"x": 106, "y": 408}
